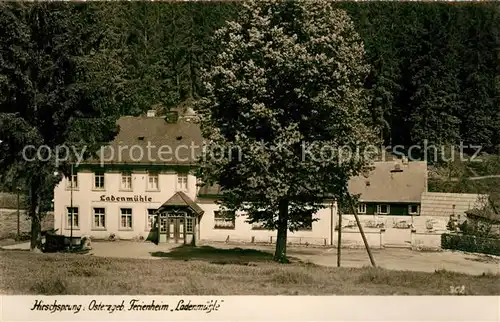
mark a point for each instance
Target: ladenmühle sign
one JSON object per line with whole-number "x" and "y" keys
{"x": 135, "y": 198}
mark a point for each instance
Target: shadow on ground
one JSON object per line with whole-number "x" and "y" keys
{"x": 216, "y": 255}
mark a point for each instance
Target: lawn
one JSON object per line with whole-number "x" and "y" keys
{"x": 245, "y": 273}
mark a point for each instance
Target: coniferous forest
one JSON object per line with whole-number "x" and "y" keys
{"x": 435, "y": 67}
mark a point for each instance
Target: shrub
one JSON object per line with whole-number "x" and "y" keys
{"x": 471, "y": 243}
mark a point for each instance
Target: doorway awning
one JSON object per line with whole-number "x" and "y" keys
{"x": 181, "y": 200}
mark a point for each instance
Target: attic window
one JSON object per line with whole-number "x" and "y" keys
{"x": 367, "y": 183}
{"x": 140, "y": 138}
{"x": 179, "y": 138}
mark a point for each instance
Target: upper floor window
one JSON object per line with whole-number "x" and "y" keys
{"x": 362, "y": 208}
{"x": 72, "y": 181}
{"x": 153, "y": 181}
{"x": 126, "y": 181}
{"x": 182, "y": 182}
{"x": 99, "y": 180}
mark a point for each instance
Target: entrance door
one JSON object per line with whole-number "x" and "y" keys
{"x": 176, "y": 230}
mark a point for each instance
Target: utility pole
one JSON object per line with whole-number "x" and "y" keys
{"x": 340, "y": 237}
{"x": 18, "y": 214}
{"x": 361, "y": 230}
{"x": 71, "y": 207}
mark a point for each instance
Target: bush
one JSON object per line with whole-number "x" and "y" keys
{"x": 471, "y": 243}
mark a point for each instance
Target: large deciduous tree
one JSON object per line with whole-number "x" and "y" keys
{"x": 55, "y": 92}
{"x": 283, "y": 97}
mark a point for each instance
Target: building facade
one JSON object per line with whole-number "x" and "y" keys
{"x": 143, "y": 187}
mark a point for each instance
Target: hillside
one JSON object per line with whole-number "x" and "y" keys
{"x": 480, "y": 176}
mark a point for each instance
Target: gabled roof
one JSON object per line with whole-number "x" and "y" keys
{"x": 446, "y": 204}
{"x": 180, "y": 199}
{"x": 391, "y": 182}
{"x": 180, "y": 142}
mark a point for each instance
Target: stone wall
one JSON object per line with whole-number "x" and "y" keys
{"x": 8, "y": 222}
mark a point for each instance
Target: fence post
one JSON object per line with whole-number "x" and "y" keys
{"x": 382, "y": 242}
{"x": 413, "y": 238}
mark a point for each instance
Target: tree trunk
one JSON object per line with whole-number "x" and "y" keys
{"x": 36, "y": 225}
{"x": 280, "y": 253}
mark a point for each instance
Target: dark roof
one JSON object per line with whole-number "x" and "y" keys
{"x": 405, "y": 185}
{"x": 391, "y": 181}
{"x": 9, "y": 201}
{"x": 180, "y": 199}
{"x": 213, "y": 190}
{"x": 163, "y": 138}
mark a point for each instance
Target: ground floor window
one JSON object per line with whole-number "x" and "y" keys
{"x": 362, "y": 208}
{"x": 224, "y": 219}
{"x": 383, "y": 209}
{"x": 72, "y": 212}
{"x": 99, "y": 218}
{"x": 413, "y": 209}
{"x": 151, "y": 218}
{"x": 126, "y": 218}
{"x": 307, "y": 224}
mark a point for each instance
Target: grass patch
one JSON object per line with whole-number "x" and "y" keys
{"x": 49, "y": 274}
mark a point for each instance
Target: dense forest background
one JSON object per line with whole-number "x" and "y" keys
{"x": 435, "y": 66}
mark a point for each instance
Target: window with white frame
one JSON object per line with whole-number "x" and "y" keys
{"x": 126, "y": 218}
{"x": 99, "y": 218}
{"x": 413, "y": 209}
{"x": 153, "y": 181}
{"x": 72, "y": 181}
{"x": 224, "y": 219}
{"x": 362, "y": 208}
{"x": 99, "y": 180}
{"x": 383, "y": 209}
{"x": 126, "y": 181}
{"x": 182, "y": 182}
{"x": 72, "y": 213}
{"x": 151, "y": 218}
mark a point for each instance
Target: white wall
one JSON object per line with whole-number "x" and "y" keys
{"x": 243, "y": 232}
{"x": 85, "y": 197}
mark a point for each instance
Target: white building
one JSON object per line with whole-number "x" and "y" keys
{"x": 145, "y": 189}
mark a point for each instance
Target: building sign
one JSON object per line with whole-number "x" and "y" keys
{"x": 136, "y": 198}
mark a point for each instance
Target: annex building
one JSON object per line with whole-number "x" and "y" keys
{"x": 144, "y": 188}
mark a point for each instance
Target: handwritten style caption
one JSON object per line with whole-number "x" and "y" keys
{"x": 133, "y": 305}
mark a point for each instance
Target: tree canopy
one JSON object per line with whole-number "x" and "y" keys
{"x": 282, "y": 98}
{"x": 54, "y": 93}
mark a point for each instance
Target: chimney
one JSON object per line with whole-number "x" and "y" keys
{"x": 151, "y": 113}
